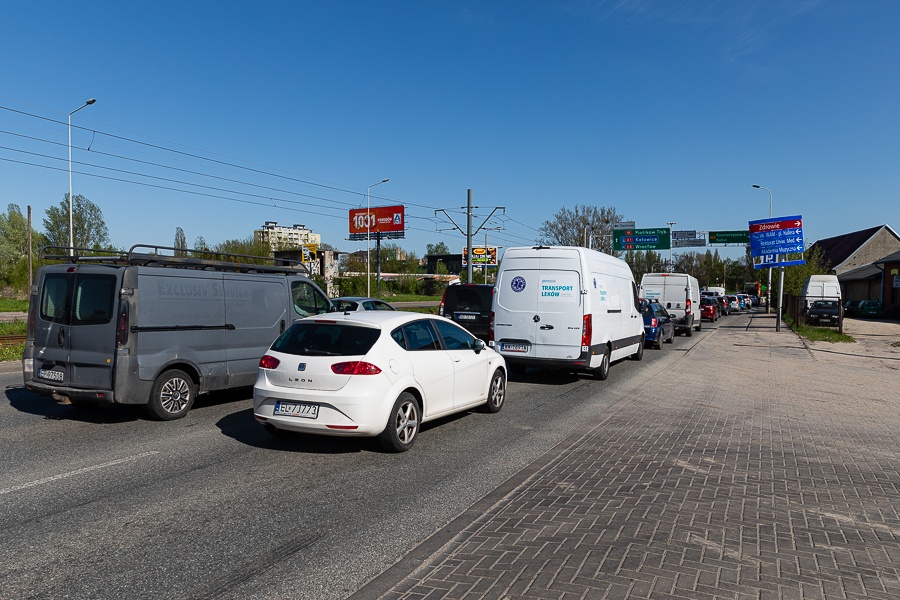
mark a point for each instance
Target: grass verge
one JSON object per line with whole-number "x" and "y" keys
{"x": 8, "y": 305}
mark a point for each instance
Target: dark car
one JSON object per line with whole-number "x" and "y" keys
{"x": 824, "y": 312}
{"x": 659, "y": 326}
{"x": 724, "y": 307}
{"x": 850, "y": 307}
{"x": 469, "y": 304}
{"x": 869, "y": 308}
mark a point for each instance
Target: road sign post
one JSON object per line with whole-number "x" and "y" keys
{"x": 773, "y": 239}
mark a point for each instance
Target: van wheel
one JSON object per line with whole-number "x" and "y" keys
{"x": 689, "y": 331}
{"x": 640, "y": 352}
{"x": 172, "y": 396}
{"x": 602, "y": 372}
{"x": 402, "y": 426}
{"x": 699, "y": 324}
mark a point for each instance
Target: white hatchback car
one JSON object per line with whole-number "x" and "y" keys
{"x": 374, "y": 373}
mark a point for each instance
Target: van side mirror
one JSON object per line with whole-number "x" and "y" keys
{"x": 479, "y": 345}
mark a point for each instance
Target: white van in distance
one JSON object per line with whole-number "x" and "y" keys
{"x": 565, "y": 307}
{"x": 679, "y": 293}
{"x": 820, "y": 287}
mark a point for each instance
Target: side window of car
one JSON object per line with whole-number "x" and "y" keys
{"x": 397, "y": 336}
{"x": 420, "y": 336}
{"x": 635, "y": 297}
{"x": 454, "y": 337}
{"x": 307, "y": 299}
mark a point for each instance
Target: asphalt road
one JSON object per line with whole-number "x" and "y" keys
{"x": 102, "y": 502}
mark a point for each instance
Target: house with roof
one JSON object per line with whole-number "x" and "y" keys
{"x": 854, "y": 258}
{"x": 890, "y": 291}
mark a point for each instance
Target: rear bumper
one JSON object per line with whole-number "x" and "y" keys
{"x": 59, "y": 392}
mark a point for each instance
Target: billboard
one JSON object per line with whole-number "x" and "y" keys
{"x": 481, "y": 256}
{"x": 386, "y": 221}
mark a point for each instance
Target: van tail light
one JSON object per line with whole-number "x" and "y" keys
{"x": 268, "y": 362}
{"x": 654, "y": 322}
{"x": 122, "y": 325}
{"x": 491, "y": 332}
{"x": 355, "y": 367}
{"x": 687, "y": 307}
{"x": 586, "y": 332}
{"x": 441, "y": 308}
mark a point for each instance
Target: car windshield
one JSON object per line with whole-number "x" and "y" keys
{"x": 825, "y": 304}
{"x": 326, "y": 339}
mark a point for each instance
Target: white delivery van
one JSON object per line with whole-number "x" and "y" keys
{"x": 679, "y": 293}
{"x": 713, "y": 291}
{"x": 154, "y": 329}
{"x": 565, "y": 307}
{"x": 820, "y": 287}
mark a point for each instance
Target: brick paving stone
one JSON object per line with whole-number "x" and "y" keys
{"x": 775, "y": 476}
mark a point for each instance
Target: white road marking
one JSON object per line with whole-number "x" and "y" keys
{"x": 82, "y": 471}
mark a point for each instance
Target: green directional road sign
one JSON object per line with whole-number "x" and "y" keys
{"x": 741, "y": 236}
{"x": 641, "y": 239}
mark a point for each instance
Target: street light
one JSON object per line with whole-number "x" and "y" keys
{"x": 769, "y": 288}
{"x": 368, "y": 236}
{"x": 670, "y": 224}
{"x": 71, "y": 234}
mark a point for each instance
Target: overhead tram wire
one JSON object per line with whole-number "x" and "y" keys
{"x": 207, "y": 159}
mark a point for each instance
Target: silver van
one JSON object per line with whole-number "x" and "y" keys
{"x": 156, "y": 329}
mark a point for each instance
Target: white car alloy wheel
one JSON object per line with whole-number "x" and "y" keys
{"x": 402, "y": 425}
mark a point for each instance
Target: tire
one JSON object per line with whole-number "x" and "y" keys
{"x": 639, "y": 355}
{"x": 699, "y": 324}
{"x": 496, "y": 393}
{"x": 172, "y": 395}
{"x": 671, "y": 339}
{"x": 602, "y": 372}
{"x": 402, "y": 426}
{"x": 661, "y": 340}
{"x": 690, "y": 330}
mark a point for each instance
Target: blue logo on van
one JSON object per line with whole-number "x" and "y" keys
{"x": 518, "y": 283}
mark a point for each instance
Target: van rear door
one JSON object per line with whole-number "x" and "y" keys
{"x": 542, "y": 313}
{"x": 75, "y": 327}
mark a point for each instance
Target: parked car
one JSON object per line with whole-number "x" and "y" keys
{"x": 352, "y": 303}
{"x": 709, "y": 309}
{"x": 850, "y": 307}
{"x": 746, "y": 304}
{"x": 869, "y": 308}
{"x": 659, "y": 326}
{"x": 724, "y": 306}
{"x": 824, "y": 312}
{"x": 375, "y": 373}
{"x": 469, "y": 304}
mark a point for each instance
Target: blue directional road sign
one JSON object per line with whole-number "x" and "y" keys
{"x": 783, "y": 235}
{"x": 776, "y": 238}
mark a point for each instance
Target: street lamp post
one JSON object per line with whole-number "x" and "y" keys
{"x": 769, "y": 287}
{"x": 670, "y": 224}
{"x": 71, "y": 232}
{"x": 368, "y": 235}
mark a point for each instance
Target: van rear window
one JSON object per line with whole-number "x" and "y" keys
{"x": 75, "y": 299}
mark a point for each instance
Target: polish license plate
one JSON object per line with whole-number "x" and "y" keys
{"x": 466, "y": 317}
{"x": 51, "y": 375}
{"x": 514, "y": 347}
{"x": 293, "y": 409}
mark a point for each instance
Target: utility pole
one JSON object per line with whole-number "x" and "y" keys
{"x": 469, "y": 232}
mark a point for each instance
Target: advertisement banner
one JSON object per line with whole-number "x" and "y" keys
{"x": 481, "y": 256}
{"x": 379, "y": 219}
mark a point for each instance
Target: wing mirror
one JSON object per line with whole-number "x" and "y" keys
{"x": 479, "y": 345}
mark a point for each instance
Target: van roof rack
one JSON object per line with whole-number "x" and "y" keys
{"x": 184, "y": 258}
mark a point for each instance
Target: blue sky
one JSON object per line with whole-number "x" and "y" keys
{"x": 667, "y": 110}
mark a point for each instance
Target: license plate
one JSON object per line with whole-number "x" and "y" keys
{"x": 292, "y": 409}
{"x": 464, "y": 317}
{"x": 514, "y": 347}
{"x": 51, "y": 375}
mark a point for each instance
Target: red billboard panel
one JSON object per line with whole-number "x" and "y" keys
{"x": 380, "y": 219}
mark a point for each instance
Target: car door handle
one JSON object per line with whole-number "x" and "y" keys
{"x": 61, "y": 338}
{"x": 546, "y": 327}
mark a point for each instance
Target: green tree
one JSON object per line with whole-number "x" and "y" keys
{"x": 89, "y": 229}
{"x": 180, "y": 242}
{"x": 14, "y": 247}
{"x": 582, "y": 226}
{"x": 246, "y": 247}
{"x": 436, "y": 248}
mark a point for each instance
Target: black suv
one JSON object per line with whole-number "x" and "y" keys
{"x": 469, "y": 305}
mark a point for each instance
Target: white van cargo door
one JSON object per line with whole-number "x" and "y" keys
{"x": 559, "y": 317}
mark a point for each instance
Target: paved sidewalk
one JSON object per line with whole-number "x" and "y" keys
{"x": 764, "y": 468}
